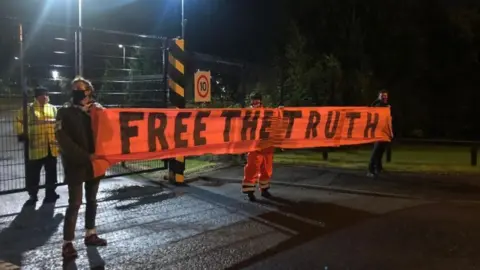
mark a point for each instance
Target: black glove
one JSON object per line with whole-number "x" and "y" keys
{"x": 21, "y": 138}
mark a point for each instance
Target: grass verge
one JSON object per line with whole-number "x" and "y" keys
{"x": 405, "y": 158}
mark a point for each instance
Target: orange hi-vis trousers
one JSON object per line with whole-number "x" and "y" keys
{"x": 259, "y": 168}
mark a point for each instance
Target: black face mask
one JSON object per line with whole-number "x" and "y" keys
{"x": 78, "y": 96}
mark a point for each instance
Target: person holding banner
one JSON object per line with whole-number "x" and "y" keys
{"x": 77, "y": 147}
{"x": 259, "y": 164}
{"x": 375, "y": 165}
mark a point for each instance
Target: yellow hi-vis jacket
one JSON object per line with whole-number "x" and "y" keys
{"x": 41, "y": 129}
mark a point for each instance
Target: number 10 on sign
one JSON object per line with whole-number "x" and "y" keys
{"x": 203, "y": 89}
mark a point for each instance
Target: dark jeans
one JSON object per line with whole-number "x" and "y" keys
{"x": 375, "y": 165}
{"x": 75, "y": 194}
{"x": 33, "y": 175}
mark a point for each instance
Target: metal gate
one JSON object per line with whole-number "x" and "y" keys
{"x": 127, "y": 70}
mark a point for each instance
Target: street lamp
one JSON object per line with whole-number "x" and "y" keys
{"x": 183, "y": 19}
{"x": 123, "y": 48}
{"x": 55, "y": 75}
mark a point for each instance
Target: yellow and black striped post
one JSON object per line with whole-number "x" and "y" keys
{"x": 176, "y": 88}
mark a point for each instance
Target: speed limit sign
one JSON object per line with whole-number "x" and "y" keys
{"x": 203, "y": 87}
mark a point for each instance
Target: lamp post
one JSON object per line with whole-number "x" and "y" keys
{"x": 183, "y": 19}
{"x": 80, "y": 42}
{"x": 123, "y": 48}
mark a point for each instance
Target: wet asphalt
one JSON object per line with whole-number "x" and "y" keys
{"x": 209, "y": 225}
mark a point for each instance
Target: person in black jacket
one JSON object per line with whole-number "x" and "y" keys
{"x": 76, "y": 141}
{"x": 375, "y": 165}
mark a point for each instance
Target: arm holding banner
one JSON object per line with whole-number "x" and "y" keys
{"x": 68, "y": 147}
{"x": 98, "y": 117}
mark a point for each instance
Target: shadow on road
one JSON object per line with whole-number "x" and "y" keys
{"x": 333, "y": 216}
{"x": 30, "y": 229}
{"x": 141, "y": 194}
{"x": 95, "y": 261}
{"x": 308, "y": 219}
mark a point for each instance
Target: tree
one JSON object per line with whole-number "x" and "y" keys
{"x": 310, "y": 79}
{"x": 298, "y": 66}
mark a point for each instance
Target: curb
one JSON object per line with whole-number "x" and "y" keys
{"x": 346, "y": 190}
{"x": 361, "y": 172}
{"x": 440, "y": 176}
{"x": 320, "y": 187}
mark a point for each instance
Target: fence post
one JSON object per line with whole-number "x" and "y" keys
{"x": 166, "y": 93}
{"x": 473, "y": 155}
{"x": 23, "y": 85}
{"x": 389, "y": 153}
{"x": 176, "y": 87}
{"x": 325, "y": 154}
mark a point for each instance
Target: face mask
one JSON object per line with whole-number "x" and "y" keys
{"x": 78, "y": 96}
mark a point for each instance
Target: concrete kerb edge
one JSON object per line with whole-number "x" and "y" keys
{"x": 363, "y": 171}
{"x": 197, "y": 176}
{"x": 320, "y": 187}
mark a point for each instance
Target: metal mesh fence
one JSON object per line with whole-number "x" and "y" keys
{"x": 12, "y": 164}
{"x": 127, "y": 70}
{"x": 12, "y": 153}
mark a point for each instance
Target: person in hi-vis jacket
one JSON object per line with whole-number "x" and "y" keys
{"x": 42, "y": 146}
{"x": 77, "y": 148}
{"x": 259, "y": 164}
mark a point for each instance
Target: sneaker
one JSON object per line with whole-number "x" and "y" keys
{"x": 95, "y": 241}
{"x": 369, "y": 174}
{"x": 69, "y": 252}
{"x": 266, "y": 194}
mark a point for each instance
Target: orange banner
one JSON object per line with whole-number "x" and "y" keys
{"x": 142, "y": 134}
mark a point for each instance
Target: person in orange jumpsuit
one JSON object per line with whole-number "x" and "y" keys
{"x": 259, "y": 164}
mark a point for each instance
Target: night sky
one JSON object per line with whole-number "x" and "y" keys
{"x": 426, "y": 53}
{"x": 229, "y": 28}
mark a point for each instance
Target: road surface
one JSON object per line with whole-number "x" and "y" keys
{"x": 209, "y": 225}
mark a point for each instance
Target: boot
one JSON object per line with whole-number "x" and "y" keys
{"x": 69, "y": 252}
{"x": 251, "y": 196}
{"x": 266, "y": 194}
{"x": 95, "y": 241}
